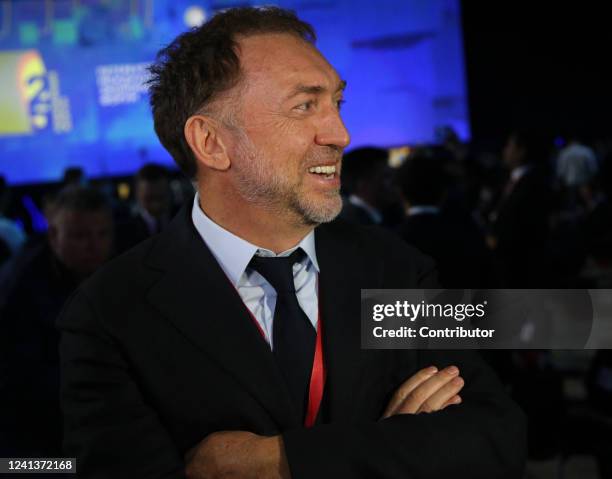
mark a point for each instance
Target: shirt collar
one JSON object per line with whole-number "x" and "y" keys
{"x": 234, "y": 253}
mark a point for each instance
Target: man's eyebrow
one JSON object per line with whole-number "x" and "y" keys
{"x": 313, "y": 89}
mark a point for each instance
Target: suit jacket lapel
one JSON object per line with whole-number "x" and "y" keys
{"x": 196, "y": 296}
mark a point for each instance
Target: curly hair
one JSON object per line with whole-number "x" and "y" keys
{"x": 202, "y": 63}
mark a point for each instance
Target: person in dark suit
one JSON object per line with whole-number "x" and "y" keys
{"x": 33, "y": 289}
{"x": 229, "y": 345}
{"x": 367, "y": 186}
{"x": 152, "y": 210}
{"x": 520, "y": 223}
{"x": 453, "y": 241}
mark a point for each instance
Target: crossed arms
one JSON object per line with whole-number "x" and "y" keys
{"x": 242, "y": 454}
{"x": 423, "y": 433}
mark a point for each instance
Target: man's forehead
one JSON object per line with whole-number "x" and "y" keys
{"x": 285, "y": 59}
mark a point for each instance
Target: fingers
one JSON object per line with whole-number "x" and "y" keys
{"x": 432, "y": 394}
{"x": 407, "y": 387}
{"x": 438, "y": 399}
{"x": 456, "y": 399}
{"x": 423, "y": 393}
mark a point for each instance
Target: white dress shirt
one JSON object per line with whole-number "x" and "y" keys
{"x": 234, "y": 254}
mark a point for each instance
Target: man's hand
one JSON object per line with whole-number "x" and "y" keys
{"x": 428, "y": 390}
{"x": 241, "y": 454}
{"x": 237, "y": 454}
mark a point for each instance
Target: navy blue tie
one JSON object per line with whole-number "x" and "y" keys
{"x": 293, "y": 335}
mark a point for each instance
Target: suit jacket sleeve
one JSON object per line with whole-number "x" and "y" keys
{"x": 483, "y": 437}
{"x": 104, "y": 412}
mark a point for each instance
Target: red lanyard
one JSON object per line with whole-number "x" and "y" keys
{"x": 317, "y": 374}
{"x": 317, "y": 378}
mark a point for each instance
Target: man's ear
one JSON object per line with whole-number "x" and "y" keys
{"x": 202, "y": 135}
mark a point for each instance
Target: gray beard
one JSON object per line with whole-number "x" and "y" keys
{"x": 262, "y": 187}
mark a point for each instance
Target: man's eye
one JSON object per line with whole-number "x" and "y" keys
{"x": 305, "y": 106}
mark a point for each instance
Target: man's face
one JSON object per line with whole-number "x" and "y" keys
{"x": 81, "y": 240}
{"x": 288, "y": 125}
{"x": 153, "y": 196}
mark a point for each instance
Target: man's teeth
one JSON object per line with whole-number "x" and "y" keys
{"x": 326, "y": 170}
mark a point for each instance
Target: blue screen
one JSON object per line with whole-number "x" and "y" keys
{"x": 72, "y": 76}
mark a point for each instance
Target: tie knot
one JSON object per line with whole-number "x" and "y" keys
{"x": 278, "y": 270}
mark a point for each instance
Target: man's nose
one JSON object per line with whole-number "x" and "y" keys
{"x": 333, "y": 132}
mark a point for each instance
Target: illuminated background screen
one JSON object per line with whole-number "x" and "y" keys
{"x": 72, "y": 72}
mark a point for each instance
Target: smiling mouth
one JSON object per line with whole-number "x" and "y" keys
{"x": 326, "y": 171}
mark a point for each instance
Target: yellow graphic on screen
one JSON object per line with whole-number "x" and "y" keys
{"x": 24, "y": 98}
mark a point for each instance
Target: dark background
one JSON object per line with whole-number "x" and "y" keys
{"x": 546, "y": 68}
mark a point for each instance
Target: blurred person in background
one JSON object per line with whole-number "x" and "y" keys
{"x": 597, "y": 222}
{"x": 369, "y": 193}
{"x": 576, "y": 165}
{"x": 37, "y": 283}
{"x": 153, "y": 208}
{"x": 581, "y": 235}
{"x": 453, "y": 241}
{"x": 467, "y": 176}
{"x": 528, "y": 255}
{"x": 520, "y": 227}
{"x": 74, "y": 176}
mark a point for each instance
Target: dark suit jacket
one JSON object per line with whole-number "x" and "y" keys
{"x": 159, "y": 351}
{"x": 522, "y": 230}
{"x": 32, "y": 294}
